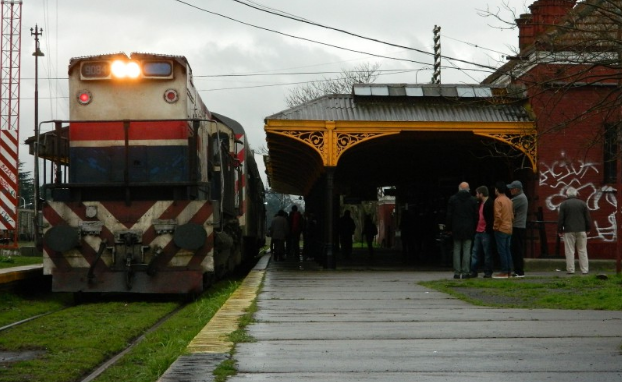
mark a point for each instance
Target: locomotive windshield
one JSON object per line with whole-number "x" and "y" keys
{"x": 105, "y": 70}
{"x": 157, "y": 68}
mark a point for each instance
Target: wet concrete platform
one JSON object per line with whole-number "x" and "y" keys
{"x": 373, "y": 322}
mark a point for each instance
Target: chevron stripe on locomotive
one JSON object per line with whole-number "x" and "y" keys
{"x": 158, "y": 194}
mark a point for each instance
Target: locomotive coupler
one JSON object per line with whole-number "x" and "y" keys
{"x": 130, "y": 239}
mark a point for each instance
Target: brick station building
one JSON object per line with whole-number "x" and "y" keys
{"x": 568, "y": 66}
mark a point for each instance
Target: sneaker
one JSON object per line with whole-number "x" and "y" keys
{"x": 516, "y": 275}
{"x": 473, "y": 275}
{"x": 487, "y": 275}
{"x": 570, "y": 273}
{"x": 501, "y": 276}
{"x": 456, "y": 276}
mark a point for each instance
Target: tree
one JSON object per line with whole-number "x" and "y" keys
{"x": 363, "y": 74}
{"x": 569, "y": 52}
{"x": 276, "y": 201}
{"x": 26, "y": 187}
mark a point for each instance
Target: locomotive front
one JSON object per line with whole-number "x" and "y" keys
{"x": 142, "y": 206}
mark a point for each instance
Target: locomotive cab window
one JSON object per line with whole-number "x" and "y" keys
{"x": 159, "y": 69}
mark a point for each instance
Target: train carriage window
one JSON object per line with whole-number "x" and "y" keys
{"x": 157, "y": 69}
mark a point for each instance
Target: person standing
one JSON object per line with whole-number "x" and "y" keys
{"x": 345, "y": 228}
{"x": 369, "y": 231}
{"x": 279, "y": 229}
{"x": 483, "y": 233}
{"x": 502, "y": 227}
{"x": 573, "y": 224}
{"x": 461, "y": 221}
{"x": 309, "y": 236}
{"x": 519, "y": 227}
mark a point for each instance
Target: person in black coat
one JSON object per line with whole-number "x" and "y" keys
{"x": 482, "y": 242}
{"x": 461, "y": 221}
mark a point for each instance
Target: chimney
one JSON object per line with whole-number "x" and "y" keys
{"x": 544, "y": 14}
{"x": 525, "y": 30}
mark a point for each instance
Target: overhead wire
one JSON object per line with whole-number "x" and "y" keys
{"x": 327, "y": 44}
{"x": 296, "y": 18}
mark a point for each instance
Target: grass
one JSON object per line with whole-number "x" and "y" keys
{"x": 16, "y": 307}
{"x": 589, "y": 292}
{"x": 16, "y": 261}
{"x": 74, "y": 341}
{"x": 152, "y": 357}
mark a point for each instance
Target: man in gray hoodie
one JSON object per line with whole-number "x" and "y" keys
{"x": 519, "y": 227}
{"x": 573, "y": 224}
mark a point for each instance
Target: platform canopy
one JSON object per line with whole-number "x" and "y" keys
{"x": 392, "y": 124}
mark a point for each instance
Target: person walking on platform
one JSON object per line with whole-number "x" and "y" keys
{"x": 279, "y": 229}
{"x": 573, "y": 224}
{"x": 502, "y": 227}
{"x": 369, "y": 231}
{"x": 296, "y": 225}
{"x": 483, "y": 234}
{"x": 461, "y": 221}
{"x": 519, "y": 227}
{"x": 345, "y": 228}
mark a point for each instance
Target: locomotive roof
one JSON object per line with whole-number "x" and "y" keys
{"x": 134, "y": 55}
{"x": 234, "y": 125}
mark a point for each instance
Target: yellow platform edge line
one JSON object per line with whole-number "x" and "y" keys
{"x": 213, "y": 337}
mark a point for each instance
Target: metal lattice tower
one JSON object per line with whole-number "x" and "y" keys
{"x": 436, "y": 77}
{"x": 9, "y": 115}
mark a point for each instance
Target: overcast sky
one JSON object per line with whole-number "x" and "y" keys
{"x": 216, "y": 46}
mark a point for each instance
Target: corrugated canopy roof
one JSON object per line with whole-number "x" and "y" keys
{"x": 434, "y": 103}
{"x": 298, "y": 138}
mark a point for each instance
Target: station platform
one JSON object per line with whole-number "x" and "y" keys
{"x": 21, "y": 273}
{"x": 370, "y": 320}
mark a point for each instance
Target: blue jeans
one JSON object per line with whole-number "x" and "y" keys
{"x": 462, "y": 264}
{"x": 481, "y": 246}
{"x": 503, "y": 247}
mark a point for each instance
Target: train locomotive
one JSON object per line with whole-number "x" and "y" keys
{"x": 158, "y": 194}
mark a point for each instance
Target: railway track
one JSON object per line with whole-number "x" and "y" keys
{"x": 89, "y": 333}
{"x": 23, "y": 321}
{"x": 109, "y": 363}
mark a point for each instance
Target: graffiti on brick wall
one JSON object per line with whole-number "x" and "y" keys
{"x": 563, "y": 173}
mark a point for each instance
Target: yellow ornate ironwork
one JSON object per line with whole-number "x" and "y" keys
{"x": 330, "y": 139}
{"x": 525, "y": 143}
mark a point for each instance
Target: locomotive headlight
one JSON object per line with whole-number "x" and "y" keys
{"x": 123, "y": 69}
{"x": 133, "y": 70}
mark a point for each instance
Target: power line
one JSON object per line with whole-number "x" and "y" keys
{"x": 296, "y": 18}
{"x": 475, "y": 45}
{"x": 335, "y": 46}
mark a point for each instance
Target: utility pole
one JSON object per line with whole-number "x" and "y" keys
{"x": 36, "y": 32}
{"x": 436, "y": 77}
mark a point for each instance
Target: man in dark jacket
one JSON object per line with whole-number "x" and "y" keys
{"x": 573, "y": 224}
{"x": 345, "y": 228}
{"x": 483, "y": 233}
{"x": 461, "y": 221}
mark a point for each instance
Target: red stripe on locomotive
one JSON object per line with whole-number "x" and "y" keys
{"x": 115, "y": 131}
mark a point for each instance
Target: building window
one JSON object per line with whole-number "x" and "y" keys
{"x": 610, "y": 152}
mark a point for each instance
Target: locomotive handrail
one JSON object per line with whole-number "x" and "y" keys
{"x": 58, "y": 127}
